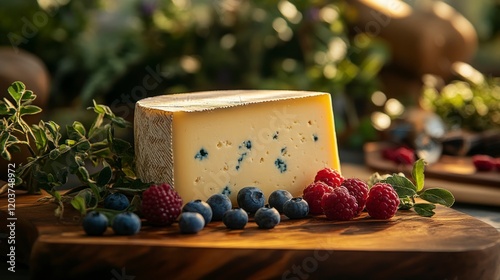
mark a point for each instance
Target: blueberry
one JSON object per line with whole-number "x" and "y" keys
{"x": 235, "y": 218}
{"x": 116, "y": 201}
{"x": 250, "y": 199}
{"x": 278, "y": 198}
{"x": 296, "y": 208}
{"x": 95, "y": 223}
{"x": 191, "y": 222}
{"x": 126, "y": 223}
{"x": 219, "y": 203}
{"x": 267, "y": 218}
{"x": 201, "y": 207}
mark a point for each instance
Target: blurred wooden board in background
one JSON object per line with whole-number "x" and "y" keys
{"x": 457, "y": 174}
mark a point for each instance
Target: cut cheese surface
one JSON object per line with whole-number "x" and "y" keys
{"x": 221, "y": 141}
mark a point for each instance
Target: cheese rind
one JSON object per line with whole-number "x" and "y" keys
{"x": 219, "y": 142}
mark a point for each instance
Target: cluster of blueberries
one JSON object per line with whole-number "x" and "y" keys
{"x": 124, "y": 223}
{"x": 196, "y": 214}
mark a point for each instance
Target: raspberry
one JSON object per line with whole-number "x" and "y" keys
{"x": 339, "y": 205}
{"x": 313, "y": 195}
{"x": 402, "y": 155}
{"x": 330, "y": 177}
{"x": 483, "y": 162}
{"x": 358, "y": 189}
{"x": 382, "y": 201}
{"x": 389, "y": 154}
{"x": 161, "y": 204}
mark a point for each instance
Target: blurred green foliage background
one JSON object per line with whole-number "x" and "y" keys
{"x": 103, "y": 50}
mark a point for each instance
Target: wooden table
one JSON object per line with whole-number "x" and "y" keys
{"x": 450, "y": 245}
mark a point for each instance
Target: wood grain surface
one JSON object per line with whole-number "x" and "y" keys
{"x": 450, "y": 245}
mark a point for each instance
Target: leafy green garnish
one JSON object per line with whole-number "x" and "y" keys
{"x": 408, "y": 191}
{"x": 56, "y": 155}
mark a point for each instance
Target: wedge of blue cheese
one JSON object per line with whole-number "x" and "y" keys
{"x": 221, "y": 141}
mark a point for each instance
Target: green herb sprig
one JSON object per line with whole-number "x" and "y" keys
{"x": 409, "y": 191}
{"x": 56, "y": 155}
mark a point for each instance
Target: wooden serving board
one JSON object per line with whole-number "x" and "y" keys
{"x": 452, "y": 168}
{"x": 457, "y": 174}
{"x": 450, "y": 245}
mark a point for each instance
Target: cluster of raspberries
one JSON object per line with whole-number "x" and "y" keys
{"x": 486, "y": 163}
{"x": 344, "y": 199}
{"x": 330, "y": 194}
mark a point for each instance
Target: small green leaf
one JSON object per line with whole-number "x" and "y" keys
{"x": 16, "y": 90}
{"x": 103, "y": 109}
{"x": 406, "y": 203}
{"x": 56, "y": 195}
{"x": 84, "y": 174}
{"x": 438, "y": 195}
{"x": 70, "y": 142}
{"x": 110, "y": 134}
{"x": 50, "y": 178}
{"x": 62, "y": 175}
{"x": 417, "y": 174}
{"x": 88, "y": 196}
{"x": 424, "y": 209}
{"x": 102, "y": 153}
{"x": 403, "y": 186}
{"x": 63, "y": 148}
{"x": 12, "y": 107}
{"x": 83, "y": 146}
{"x": 79, "y": 160}
{"x": 54, "y": 154}
{"x": 74, "y": 134}
{"x": 4, "y": 137}
{"x": 40, "y": 138}
{"x": 135, "y": 203}
{"x": 29, "y": 110}
{"x": 400, "y": 180}
{"x": 15, "y": 149}
{"x": 6, "y": 155}
{"x": 403, "y": 191}
{"x": 79, "y": 204}
{"x": 104, "y": 176}
{"x": 99, "y": 109}
{"x": 52, "y": 131}
{"x": 95, "y": 189}
{"x": 120, "y": 122}
{"x": 78, "y": 126}
{"x": 96, "y": 126}
{"x": 28, "y": 96}
{"x": 4, "y": 109}
{"x": 125, "y": 183}
{"x": 99, "y": 145}
{"x": 121, "y": 146}
{"x": 128, "y": 171}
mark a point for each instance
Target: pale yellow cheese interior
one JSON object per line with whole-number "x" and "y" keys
{"x": 213, "y": 142}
